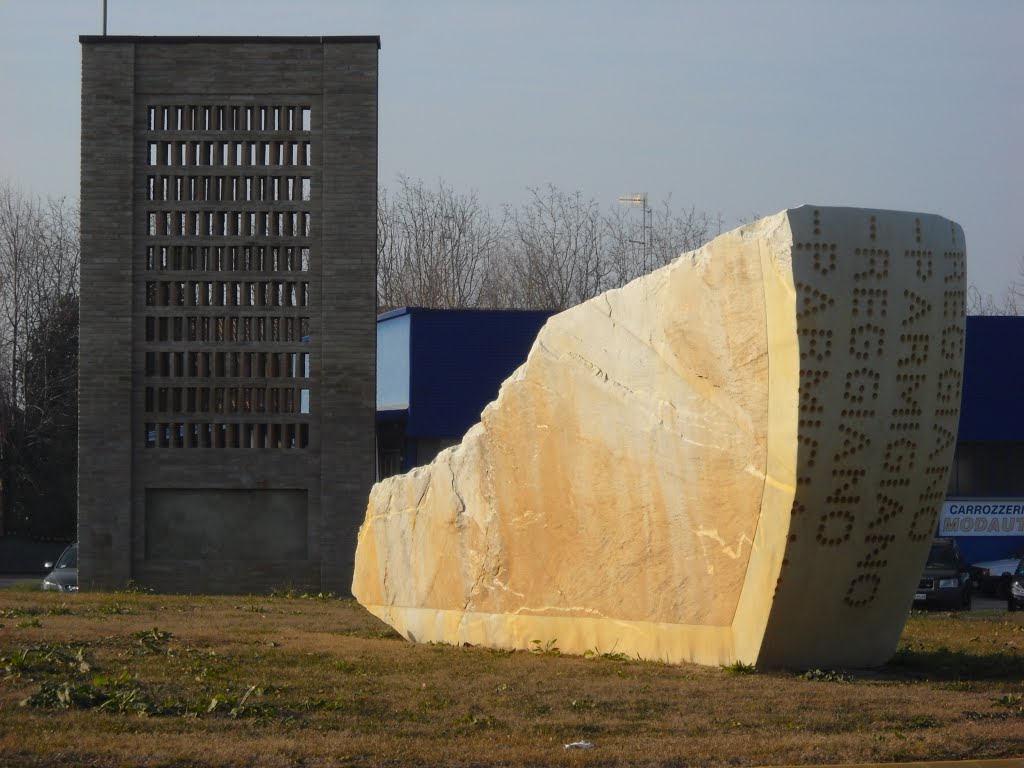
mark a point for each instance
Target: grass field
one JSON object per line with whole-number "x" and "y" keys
{"x": 149, "y": 680}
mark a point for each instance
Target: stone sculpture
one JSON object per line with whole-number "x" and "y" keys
{"x": 738, "y": 457}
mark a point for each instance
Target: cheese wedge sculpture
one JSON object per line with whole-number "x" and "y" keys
{"x": 737, "y": 457}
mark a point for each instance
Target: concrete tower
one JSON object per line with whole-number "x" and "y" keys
{"x": 229, "y": 192}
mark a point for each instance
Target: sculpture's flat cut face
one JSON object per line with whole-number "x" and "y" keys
{"x": 880, "y": 324}
{"x": 737, "y": 457}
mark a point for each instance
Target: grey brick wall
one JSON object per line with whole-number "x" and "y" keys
{"x": 349, "y": 311}
{"x": 123, "y": 78}
{"x": 105, "y": 335}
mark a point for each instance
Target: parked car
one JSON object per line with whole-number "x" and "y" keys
{"x": 993, "y": 576}
{"x": 64, "y": 574}
{"x": 946, "y": 581}
{"x": 1015, "y": 598}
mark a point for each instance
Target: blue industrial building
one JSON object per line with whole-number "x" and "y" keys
{"x": 984, "y": 507}
{"x": 437, "y": 369}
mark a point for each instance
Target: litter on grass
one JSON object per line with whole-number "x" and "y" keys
{"x": 581, "y": 745}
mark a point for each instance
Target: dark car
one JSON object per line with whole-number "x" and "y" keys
{"x": 946, "y": 581}
{"x": 64, "y": 576}
{"x": 1015, "y": 598}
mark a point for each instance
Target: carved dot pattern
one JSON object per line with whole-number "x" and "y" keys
{"x": 917, "y": 353}
{"x": 952, "y": 346}
{"x": 872, "y": 300}
{"x": 812, "y": 301}
{"x": 810, "y": 387}
{"x": 900, "y": 456}
{"x": 843, "y": 493}
{"x": 860, "y": 343}
{"x": 878, "y": 264}
{"x": 812, "y": 377}
{"x": 958, "y": 270}
{"x": 920, "y": 308}
{"x": 948, "y": 392}
{"x": 923, "y": 524}
{"x": 811, "y": 380}
{"x": 873, "y": 559}
{"x": 853, "y": 413}
{"x": 853, "y": 442}
{"x": 885, "y": 326}
{"x": 953, "y": 305}
{"x": 827, "y": 536}
{"x": 888, "y": 509}
{"x": 863, "y": 590}
{"x": 820, "y": 265}
{"x": 809, "y": 401}
{"x": 861, "y": 384}
{"x": 903, "y": 426}
{"x": 923, "y": 261}
{"x": 818, "y": 344}
{"x": 936, "y": 490}
{"x": 944, "y": 440}
{"x": 824, "y": 259}
{"x": 910, "y": 387}
{"x": 811, "y": 446}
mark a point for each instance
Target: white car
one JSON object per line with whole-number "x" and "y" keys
{"x": 994, "y": 576}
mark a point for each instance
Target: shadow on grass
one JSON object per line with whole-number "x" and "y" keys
{"x": 943, "y": 664}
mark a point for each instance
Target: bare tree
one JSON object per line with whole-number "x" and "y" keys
{"x": 675, "y": 232}
{"x": 432, "y": 246}
{"x": 39, "y": 258}
{"x": 634, "y": 252}
{"x": 438, "y": 248}
{"x": 20, "y": 226}
{"x": 499, "y": 286}
{"x": 556, "y": 251}
{"x": 626, "y": 245}
{"x": 1010, "y": 303}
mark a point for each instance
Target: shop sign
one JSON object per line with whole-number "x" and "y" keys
{"x": 982, "y": 517}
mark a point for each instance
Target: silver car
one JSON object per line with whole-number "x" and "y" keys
{"x": 64, "y": 576}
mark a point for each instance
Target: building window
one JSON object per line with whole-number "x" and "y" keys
{"x": 228, "y": 251}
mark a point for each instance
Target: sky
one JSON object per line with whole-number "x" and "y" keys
{"x": 735, "y": 108}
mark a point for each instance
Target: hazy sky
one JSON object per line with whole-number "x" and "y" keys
{"x": 733, "y": 107}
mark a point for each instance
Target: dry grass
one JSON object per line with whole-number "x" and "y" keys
{"x": 138, "y": 679}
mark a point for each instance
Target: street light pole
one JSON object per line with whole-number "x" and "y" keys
{"x": 641, "y": 200}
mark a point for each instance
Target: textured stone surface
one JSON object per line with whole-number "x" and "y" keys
{"x": 737, "y": 457}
